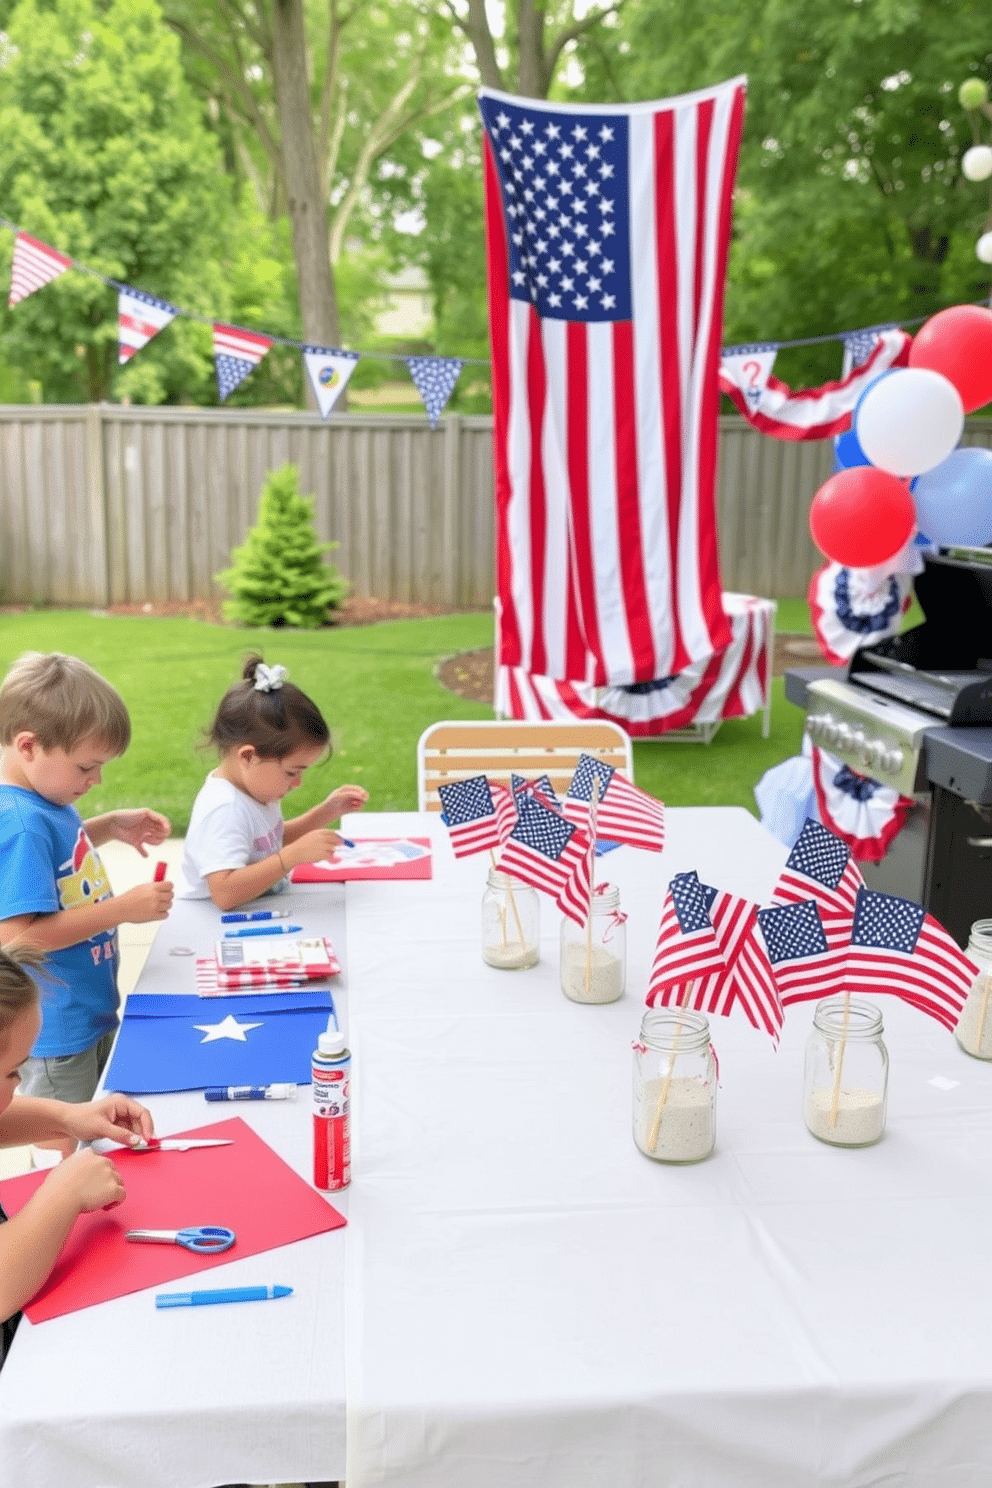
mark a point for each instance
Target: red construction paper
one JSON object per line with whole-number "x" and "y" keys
{"x": 410, "y": 868}
{"x": 246, "y": 1187}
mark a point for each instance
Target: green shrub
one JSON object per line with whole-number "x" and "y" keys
{"x": 279, "y": 575}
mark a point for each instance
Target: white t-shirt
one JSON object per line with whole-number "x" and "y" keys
{"x": 228, "y": 829}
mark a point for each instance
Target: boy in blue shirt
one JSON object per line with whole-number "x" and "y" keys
{"x": 60, "y": 723}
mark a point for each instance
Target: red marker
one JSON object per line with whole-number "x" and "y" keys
{"x": 161, "y": 869}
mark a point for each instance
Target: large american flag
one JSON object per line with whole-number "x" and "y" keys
{"x": 820, "y": 867}
{"x": 551, "y": 853}
{"x": 897, "y": 947}
{"x": 607, "y": 234}
{"x": 623, "y": 812}
{"x": 478, "y": 814}
{"x": 803, "y": 962}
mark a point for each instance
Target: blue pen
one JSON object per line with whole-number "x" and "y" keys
{"x": 347, "y": 842}
{"x": 256, "y": 914}
{"x": 225, "y": 1294}
{"x": 247, "y": 930}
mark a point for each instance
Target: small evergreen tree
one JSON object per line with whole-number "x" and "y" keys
{"x": 279, "y": 575}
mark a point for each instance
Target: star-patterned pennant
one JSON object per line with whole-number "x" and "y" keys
{"x": 34, "y": 265}
{"x": 434, "y": 379}
{"x": 139, "y": 318}
{"x": 328, "y": 370}
{"x": 236, "y": 354}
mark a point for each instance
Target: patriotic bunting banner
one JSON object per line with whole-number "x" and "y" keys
{"x": 854, "y": 607}
{"x": 236, "y": 355}
{"x": 860, "y": 811}
{"x": 812, "y": 413}
{"x": 329, "y": 371}
{"x": 434, "y": 378}
{"x": 478, "y": 813}
{"x": 897, "y": 947}
{"x": 552, "y": 854}
{"x": 749, "y": 368}
{"x": 732, "y": 684}
{"x": 607, "y": 231}
{"x": 624, "y": 813}
{"x": 34, "y": 264}
{"x": 139, "y": 318}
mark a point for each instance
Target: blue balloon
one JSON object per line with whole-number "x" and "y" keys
{"x": 954, "y": 499}
{"x": 848, "y": 452}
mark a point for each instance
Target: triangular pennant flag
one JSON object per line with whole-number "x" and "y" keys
{"x": 749, "y": 368}
{"x": 434, "y": 379}
{"x": 139, "y": 318}
{"x": 329, "y": 371}
{"x": 236, "y": 354}
{"x": 34, "y": 265}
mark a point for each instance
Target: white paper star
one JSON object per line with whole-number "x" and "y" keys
{"x": 230, "y": 1028}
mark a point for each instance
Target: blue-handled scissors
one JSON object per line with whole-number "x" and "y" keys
{"x": 203, "y": 1239}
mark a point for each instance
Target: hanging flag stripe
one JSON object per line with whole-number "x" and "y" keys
{"x": 249, "y": 346}
{"x": 139, "y": 318}
{"x": 34, "y": 265}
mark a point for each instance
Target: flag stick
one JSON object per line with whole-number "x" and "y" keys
{"x": 593, "y": 803}
{"x": 659, "y": 1109}
{"x": 839, "y": 1067}
{"x": 513, "y": 904}
{"x": 984, "y": 1012}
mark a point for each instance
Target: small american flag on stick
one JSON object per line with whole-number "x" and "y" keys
{"x": 804, "y": 964}
{"x": 623, "y": 813}
{"x": 552, "y": 854}
{"x": 687, "y": 949}
{"x": 897, "y": 947}
{"x": 478, "y": 813}
{"x": 820, "y": 867}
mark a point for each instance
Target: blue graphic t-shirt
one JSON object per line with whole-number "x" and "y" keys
{"x": 48, "y": 863}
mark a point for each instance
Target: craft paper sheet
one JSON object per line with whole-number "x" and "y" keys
{"x": 245, "y": 1186}
{"x": 176, "y": 1043}
{"x": 371, "y": 858}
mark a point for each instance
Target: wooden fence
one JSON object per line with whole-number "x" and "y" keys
{"x": 103, "y": 504}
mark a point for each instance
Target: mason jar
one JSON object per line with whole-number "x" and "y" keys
{"x": 593, "y": 959}
{"x": 511, "y": 923}
{"x": 974, "y": 1030}
{"x": 847, "y": 1071}
{"x": 674, "y": 1086}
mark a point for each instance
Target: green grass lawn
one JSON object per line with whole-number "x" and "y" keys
{"x": 376, "y": 687}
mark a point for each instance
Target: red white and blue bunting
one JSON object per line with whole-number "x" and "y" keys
{"x": 139, "y": 318}
{"x": 33, "y": 266}
{"x": 854, "y": 607}
{"x": 861, "y": 811}
{"x": 329, "y": 369}
{"x": 236, "y": 355}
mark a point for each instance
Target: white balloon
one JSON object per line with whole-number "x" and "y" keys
{"x": 977, "y": 163}
{"x": 983, "y": 248}
{"x": 909, "y": 420}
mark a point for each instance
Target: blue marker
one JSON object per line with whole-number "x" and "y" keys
{"x": 262, "y": 930}
{"x": 347, "y": 842}
{"x": 225, "y": 1294}
{"x": 256, "y": 914}
{"x": 250, "y": 1092}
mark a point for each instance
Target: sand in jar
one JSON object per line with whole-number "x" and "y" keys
{"x": 605, "y": 973}
{"x": 687, "y": 1129}
{"x": 860, "y": 1117}
{"x": 513, "y": 956}
{"x": 974, "y": 1030}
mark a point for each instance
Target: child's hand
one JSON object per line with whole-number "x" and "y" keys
{"x": 346, "y": 798}
{"x": 139, "y": 827}
{"x": 116, "y": 1117}
{"x": 151, "y": 901}
{"x": 91, "y": 1181}
{"x": 313, "y": 847}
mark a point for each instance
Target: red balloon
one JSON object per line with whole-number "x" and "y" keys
{"x": 958, "y": 343}
{"x": 862, "y": 516}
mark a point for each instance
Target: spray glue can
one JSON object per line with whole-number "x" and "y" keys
{"x": 331, "y": 1077}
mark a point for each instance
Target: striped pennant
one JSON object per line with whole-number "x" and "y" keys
{"x": 236, "y": 355}
{"x": 139, "y": 318}
{"x": 34, "y": 265}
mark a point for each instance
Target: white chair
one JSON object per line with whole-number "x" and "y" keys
{"x": 458, "y": 748}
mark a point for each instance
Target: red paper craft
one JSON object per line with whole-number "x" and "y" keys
{"x": 246, "y": 1187}
{"x": 350, "y": 869}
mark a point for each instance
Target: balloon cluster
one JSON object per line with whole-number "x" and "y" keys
{"x": 904, "y": 433}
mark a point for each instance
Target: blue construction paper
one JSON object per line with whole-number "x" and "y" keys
{"x": 186, "y": 1043}
{"x": 604, "y": 845}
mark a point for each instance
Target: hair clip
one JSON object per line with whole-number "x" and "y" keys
{"x": 269, "y": 679}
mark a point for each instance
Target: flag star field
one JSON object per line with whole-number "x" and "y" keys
{"x": 819, "y": 854}
{"x": 792, "y": 931}
{"x": 884, "y": 920}
{"x": 692, "y": 901}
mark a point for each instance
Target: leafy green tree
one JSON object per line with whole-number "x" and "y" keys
{"x": 105, "y": 156}
{"x": 279, "y": 575}
{"x": 850, "y": 206}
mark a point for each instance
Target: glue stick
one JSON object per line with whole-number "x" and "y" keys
{"x": 331, "y": 1076}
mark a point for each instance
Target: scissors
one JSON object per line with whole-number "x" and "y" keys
{"x": 203, "y": 1239}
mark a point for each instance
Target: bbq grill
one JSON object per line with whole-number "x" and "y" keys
{"x": 915, "y": 712}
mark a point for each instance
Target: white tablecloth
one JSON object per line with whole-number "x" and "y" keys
{"x": 533, "y": 1303}
{"x": 123, "y": 1396}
